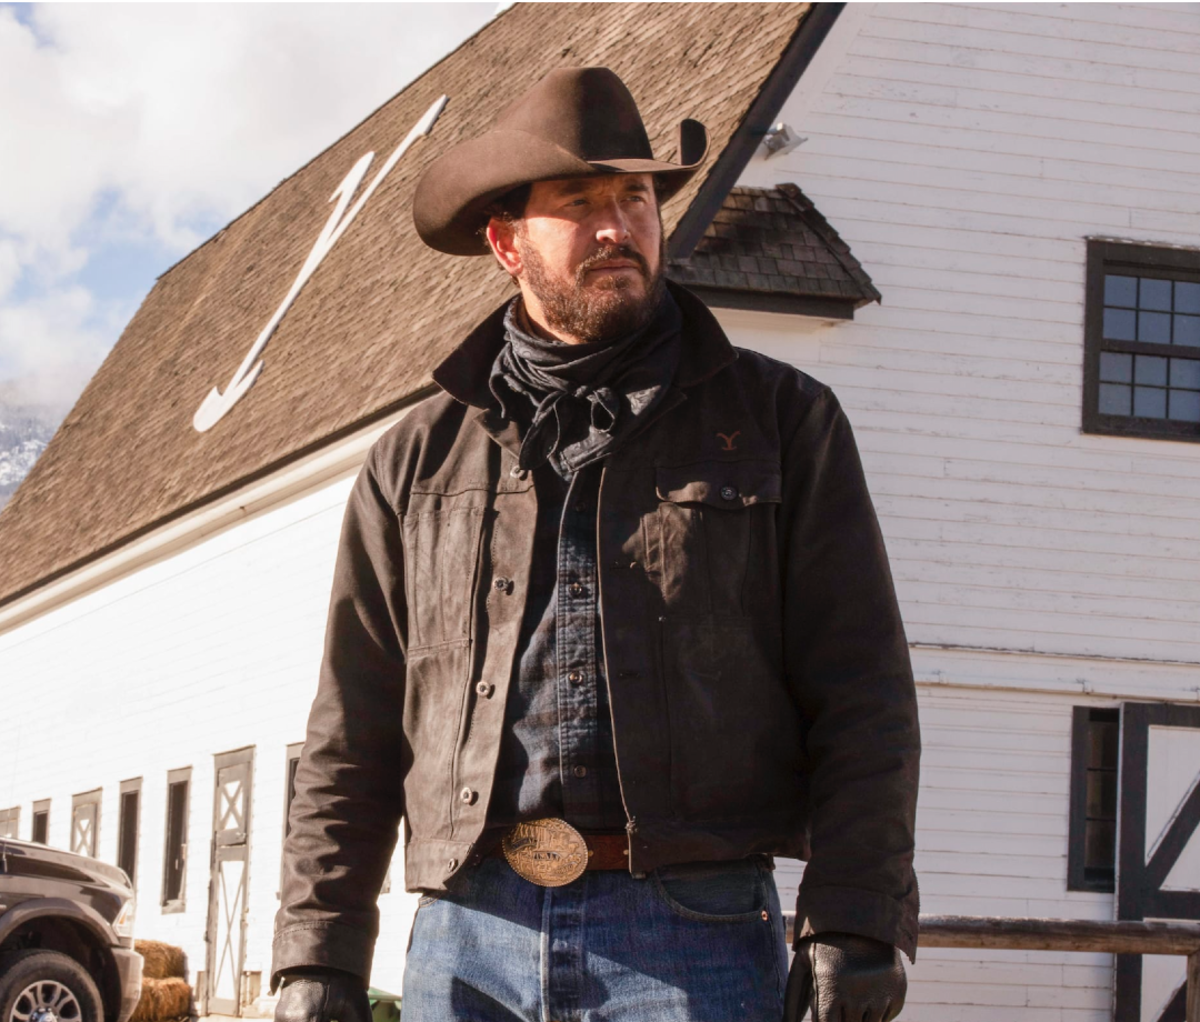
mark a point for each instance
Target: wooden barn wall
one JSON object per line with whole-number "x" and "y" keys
{"x": 964, "y": 152}
{"x": 215, "y": 649}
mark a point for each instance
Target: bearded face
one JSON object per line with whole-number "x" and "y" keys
{"x": 589, "y": 303}
{"x": 587, "y": 254}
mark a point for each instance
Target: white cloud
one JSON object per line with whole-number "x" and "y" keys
{"x": 178, "y": 116}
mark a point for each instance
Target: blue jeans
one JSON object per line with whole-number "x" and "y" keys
{"x": 701, "y": 941}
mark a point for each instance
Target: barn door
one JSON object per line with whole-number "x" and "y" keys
{"x": 227, "y": 889}
{"x": 1158, "y": 849}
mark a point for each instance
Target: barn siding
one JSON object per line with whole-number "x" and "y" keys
{"x": 214, "y": 649}
{"x": 965, "y": 152}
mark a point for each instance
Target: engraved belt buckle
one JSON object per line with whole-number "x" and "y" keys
{"x": 548, "y": 852}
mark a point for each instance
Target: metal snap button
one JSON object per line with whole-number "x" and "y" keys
{"x": 484, "y": 689}
{"x": 502, "y": 583}
{"x": 729, "y": 492}
{"x": 452, "y": 865}
{"x": 580, "y": 771}
{"x": 467, "y": 795}
{"x": 574, "y": 677}
{"x": 576, "y": 589}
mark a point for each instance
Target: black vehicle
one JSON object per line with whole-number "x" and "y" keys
{"x": 66, "y": 937}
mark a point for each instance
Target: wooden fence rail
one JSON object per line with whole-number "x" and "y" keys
{"x": 1175, "y": 938}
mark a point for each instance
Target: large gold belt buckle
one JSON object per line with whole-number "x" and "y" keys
{"x": 548, "y": 852}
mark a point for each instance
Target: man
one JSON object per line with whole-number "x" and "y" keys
{"x": 612, "y": 625}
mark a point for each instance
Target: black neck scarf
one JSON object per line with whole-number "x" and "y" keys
{"x": 586, "y": 398}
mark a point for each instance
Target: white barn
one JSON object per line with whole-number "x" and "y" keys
{"x": 1017, "y": 182}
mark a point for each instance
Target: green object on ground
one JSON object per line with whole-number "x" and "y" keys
{"x": 385, "y": 1007}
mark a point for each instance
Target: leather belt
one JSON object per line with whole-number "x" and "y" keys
{"x": 550, "y": 852}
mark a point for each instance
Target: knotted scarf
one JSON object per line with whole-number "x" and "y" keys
{"x": 586, "y": 398}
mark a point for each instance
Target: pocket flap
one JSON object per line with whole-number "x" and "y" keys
{"x": 723, "y": 484}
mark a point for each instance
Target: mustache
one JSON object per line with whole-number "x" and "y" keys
{"x": 611, "y": 252}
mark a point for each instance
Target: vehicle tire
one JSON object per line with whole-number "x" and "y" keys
{"x": 47, "y": 986}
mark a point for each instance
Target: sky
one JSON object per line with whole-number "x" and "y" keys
{"x": 129, "y": 133}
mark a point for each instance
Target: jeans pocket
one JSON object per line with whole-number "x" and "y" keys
{"x": 714, "y": 892}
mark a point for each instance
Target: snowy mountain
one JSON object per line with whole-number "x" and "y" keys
{"x": 25, "y": 430}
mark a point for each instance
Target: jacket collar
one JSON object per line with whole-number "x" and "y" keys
{"x": 464, "y": 373}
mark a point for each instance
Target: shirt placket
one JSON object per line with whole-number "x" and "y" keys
{"x": 576, "y": 665}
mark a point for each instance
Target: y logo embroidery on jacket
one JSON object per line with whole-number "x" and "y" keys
{"x": 729, "y": 438}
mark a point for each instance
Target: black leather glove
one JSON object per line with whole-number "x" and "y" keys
{"x": 845, "y": 977}
{"x": 314, "y": 994}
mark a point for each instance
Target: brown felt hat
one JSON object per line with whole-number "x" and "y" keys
{"x": 575, "y": 122}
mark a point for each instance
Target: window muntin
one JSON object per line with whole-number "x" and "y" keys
{"x": 1143, "y": 341}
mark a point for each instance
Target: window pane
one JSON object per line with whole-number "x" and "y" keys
{"x": 1114, "y": 399}
{"x": 1187, "y": 296}
{"x": 1149, "y": 402}
{"x": 1185, "y": 372}
{"x": 1187, "y": 330}
{"x": 1099, "y": 844}
{"x": 1120, "y": 290}
{"x": 41, "y": 825}
{"x": 1154, "y": 327}
{"x": 127, "y": 846}
{"x": 1119, "y": 325}
{"x": 1155, "y": 294}
{"x": 1102, "y": 795}
{"x": 1185, "y": 405}
{"x": 1116, "y": 367}
{"x": 1151, "y": 369}
{"x": 1102, "y": 744}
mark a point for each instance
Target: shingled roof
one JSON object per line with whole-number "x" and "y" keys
{"x": 770, "y": 249}
{"x": 361, "y": 339}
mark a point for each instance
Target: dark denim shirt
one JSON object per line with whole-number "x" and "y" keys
{"x": 556, "y": 751}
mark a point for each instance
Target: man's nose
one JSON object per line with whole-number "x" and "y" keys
{"x": 611, "y": 226}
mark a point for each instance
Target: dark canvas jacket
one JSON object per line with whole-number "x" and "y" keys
{"x": 759, "y": 679}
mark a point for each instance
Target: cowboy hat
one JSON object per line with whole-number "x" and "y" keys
{"x": 575, "y": 122}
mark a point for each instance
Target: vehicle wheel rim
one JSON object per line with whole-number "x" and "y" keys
{"x": 46, "y": 1001}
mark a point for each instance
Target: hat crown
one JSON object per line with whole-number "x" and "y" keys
{"x": 587, "y": 111}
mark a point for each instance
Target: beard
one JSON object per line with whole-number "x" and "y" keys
{"x": 600, "y": 312}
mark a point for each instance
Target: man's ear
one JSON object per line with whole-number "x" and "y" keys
{"x": 502, "y": 239}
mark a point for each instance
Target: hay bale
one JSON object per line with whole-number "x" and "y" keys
{"x": 159, "y": 960}
{"x": 163, "y": 999}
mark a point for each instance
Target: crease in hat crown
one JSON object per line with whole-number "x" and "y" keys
{"x": 574, "y": 122}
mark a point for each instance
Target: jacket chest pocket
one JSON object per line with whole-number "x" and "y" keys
{"x": 442, "y": 561}
{"x": 715, "y": 531}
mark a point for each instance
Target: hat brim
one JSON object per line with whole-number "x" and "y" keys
{"x": 456, "y": 188}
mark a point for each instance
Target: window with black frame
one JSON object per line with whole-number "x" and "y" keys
{"x": 1142, "y": 373}
{"x": 1092, "y": 835}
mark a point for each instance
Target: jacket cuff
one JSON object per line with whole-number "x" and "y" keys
{"x": 322, "y": 944}
{"x": 855, "y": 910}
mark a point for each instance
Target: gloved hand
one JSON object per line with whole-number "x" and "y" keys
{"x": 844, "y": 976}
{"x": 314, "y": 994}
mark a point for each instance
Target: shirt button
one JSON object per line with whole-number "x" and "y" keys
{"x": 574, "y": 677}
{"x": 576, "y": 589}
{"x": 729, "y": 492}
{"x": 452, "y": 865}
{"x": 467, "y": 795}
{"x": 502, "y": 583}
{"x": 484, "y": 689}
{"x": 580, "y": 771}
